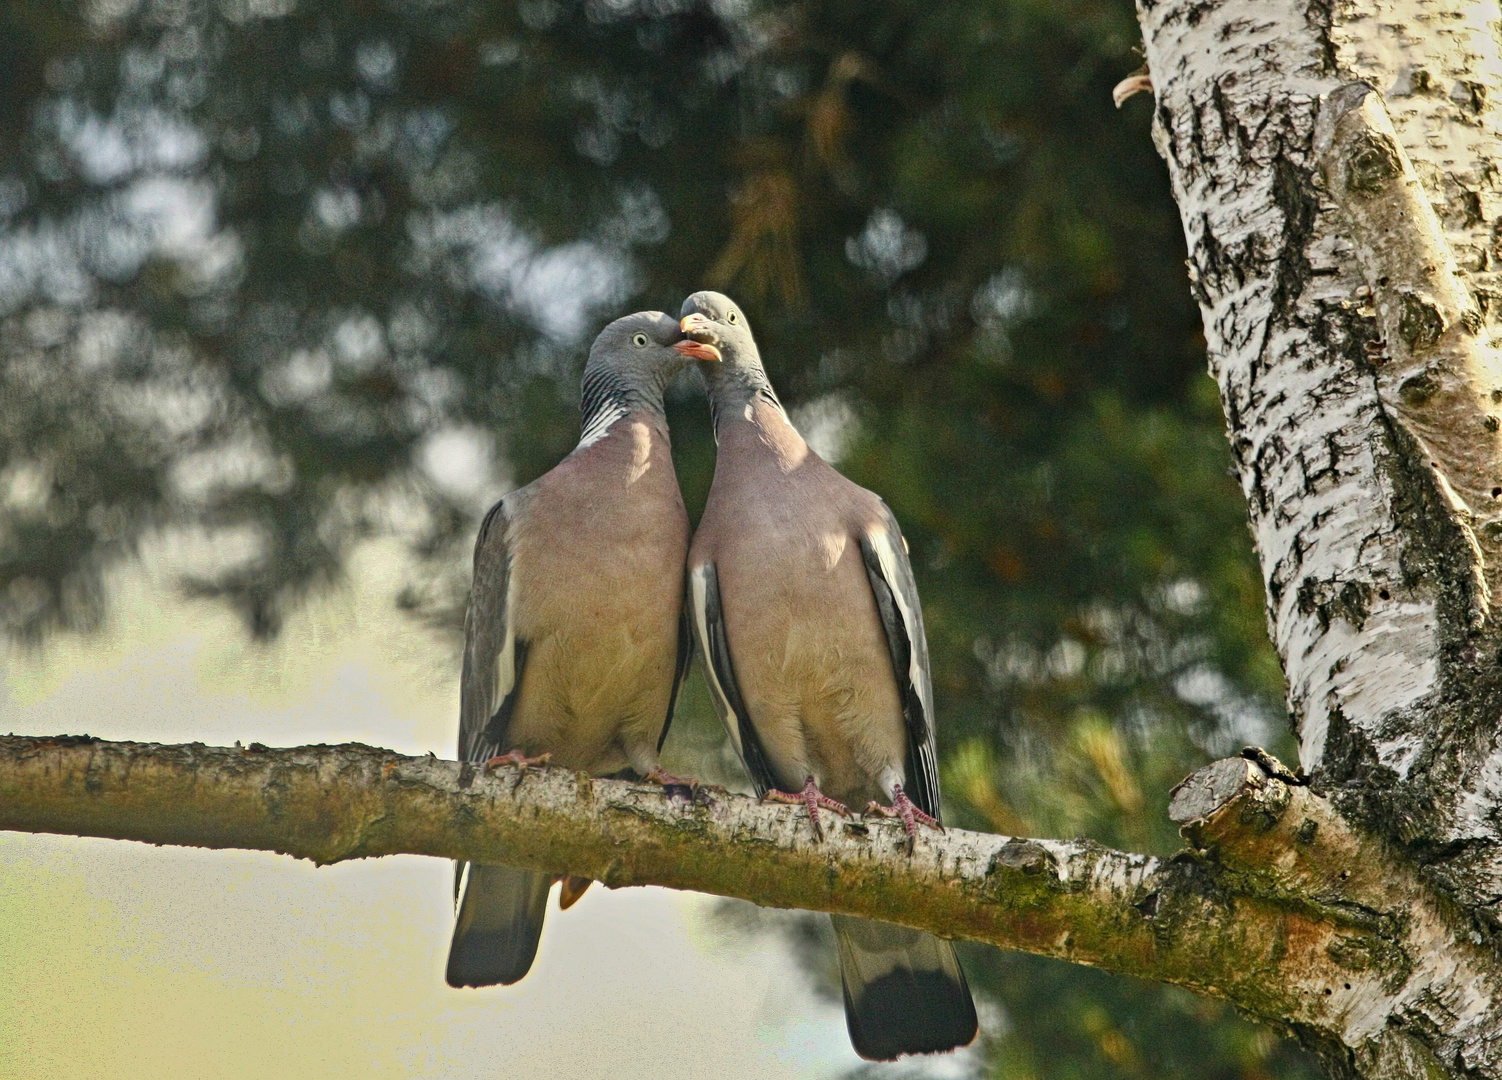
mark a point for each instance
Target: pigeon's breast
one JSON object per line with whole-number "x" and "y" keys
{"x": 599, "y": 588}
{"x": 805, "y": 637}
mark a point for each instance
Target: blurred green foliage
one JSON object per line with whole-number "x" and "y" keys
{"x": 299, "y": 273}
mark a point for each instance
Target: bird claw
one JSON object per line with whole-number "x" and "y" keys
{"x": 812, "y": 799}
{"x": 903, "y": 807}
{"x": 686, "y": 788}
{"x": 518, "y": 760}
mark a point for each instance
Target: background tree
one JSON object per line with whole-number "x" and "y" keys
{"x": 301, "y": 274}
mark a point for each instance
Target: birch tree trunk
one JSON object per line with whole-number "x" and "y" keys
{"x": 1336, "y": 166}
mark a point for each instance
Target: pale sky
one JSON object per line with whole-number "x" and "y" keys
{"x": 120, "y": 960}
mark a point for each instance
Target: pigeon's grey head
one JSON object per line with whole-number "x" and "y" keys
{"x": 717, "y": 332}
{"x": 640, "y": 346}
{"x": 637, "y": 350}
{"x": 630, "y": 365}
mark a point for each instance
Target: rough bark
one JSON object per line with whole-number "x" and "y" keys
{"x": 1336, "y": 165}
{"x": 1279, "y": 906}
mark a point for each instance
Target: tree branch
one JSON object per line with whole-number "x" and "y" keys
{"x": 1279, "y": 908}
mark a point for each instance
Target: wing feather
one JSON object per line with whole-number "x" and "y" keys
{"x": 719, "y": 673}
{"x": 685, "y": 654}
{"x": 891, "y": 575}
{"x": 493, "y": 655}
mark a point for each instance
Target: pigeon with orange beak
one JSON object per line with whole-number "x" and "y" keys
{"x": 575, "y": 638}
{"x": 806, "y": 613}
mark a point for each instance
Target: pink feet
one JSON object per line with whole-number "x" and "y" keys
{"x": 659, "y": 775}
{"x": 902, "y": 807}
{"x": 517, "y": 759}
{"x": 812, "y": 798}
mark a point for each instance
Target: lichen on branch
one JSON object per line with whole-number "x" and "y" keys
{"x": 1231, "y": 917}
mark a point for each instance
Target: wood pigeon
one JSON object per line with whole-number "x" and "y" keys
{"x": 807, "y": 616}
{"x": 575, "y": 638}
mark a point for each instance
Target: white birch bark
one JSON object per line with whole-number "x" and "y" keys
{"x": 1336, "y": 166}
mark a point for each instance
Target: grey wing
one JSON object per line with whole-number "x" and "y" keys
{"x": 719, "y": 673}
{"x": 685, "y": 654}
{"x": 493, "y": 656}
{"x": 891, "y": 576}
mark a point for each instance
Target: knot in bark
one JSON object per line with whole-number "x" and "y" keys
{"x": 1418, "y": 389}
{"x": 1372, "y": 163}
{"x": 1420, "y": 323}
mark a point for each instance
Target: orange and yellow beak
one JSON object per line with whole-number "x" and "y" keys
{"x": 697, "y": 350}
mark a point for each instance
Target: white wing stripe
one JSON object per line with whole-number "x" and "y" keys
{"x": 699, "y": 585}
{"x": 882, "y": 541}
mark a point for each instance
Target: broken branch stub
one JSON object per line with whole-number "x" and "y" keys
{"x": 1402, "y": 958}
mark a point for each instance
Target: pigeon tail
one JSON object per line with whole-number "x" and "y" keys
{"x": 905, "y": 992}
{"x": 500, "y": 920}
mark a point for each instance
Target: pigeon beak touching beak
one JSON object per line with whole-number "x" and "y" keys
{"x": 698, "y": 350}
{"x": 696, "y": 326}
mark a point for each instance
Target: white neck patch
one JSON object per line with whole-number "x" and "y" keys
{"x": 600, "y": 424}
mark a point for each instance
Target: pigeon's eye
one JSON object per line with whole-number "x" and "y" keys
{"x": 732, "y": 318}
{"x": 639, "y": 340}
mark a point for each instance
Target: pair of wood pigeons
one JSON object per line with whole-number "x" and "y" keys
{"x": 800, "y": 599}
